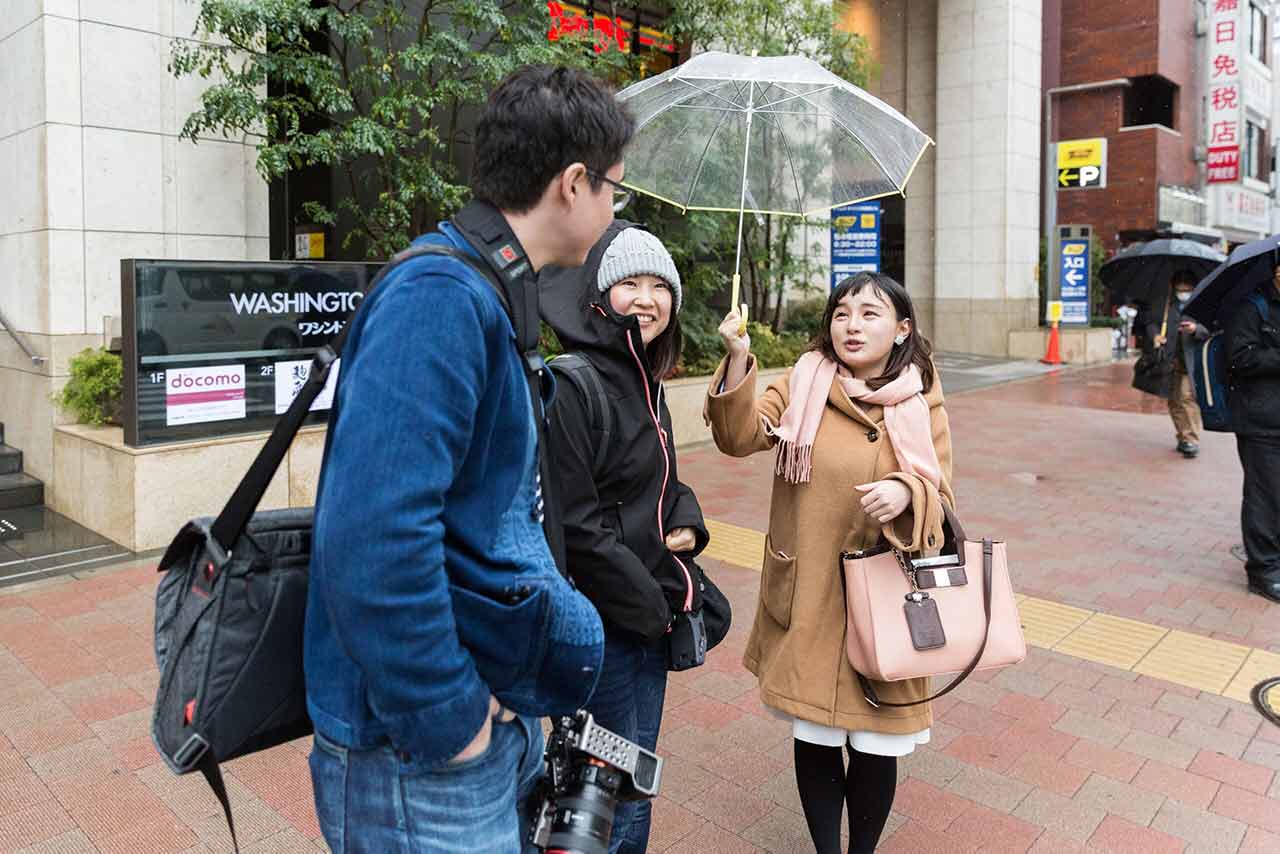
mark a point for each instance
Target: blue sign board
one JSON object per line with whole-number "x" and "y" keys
{"x": 1073, "y": 279}
{"x": 855, "y": 240}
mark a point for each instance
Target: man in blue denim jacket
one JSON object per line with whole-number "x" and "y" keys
{"x": 438, "y": 626}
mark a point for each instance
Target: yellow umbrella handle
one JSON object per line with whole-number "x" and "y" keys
{"x": 733, "y": 300}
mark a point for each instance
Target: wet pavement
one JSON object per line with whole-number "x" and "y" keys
{"x": 1059, "y": 754}
{"x": 36, "y": 542}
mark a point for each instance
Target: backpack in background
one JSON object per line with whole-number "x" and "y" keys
{"x": 1209, "y": 376}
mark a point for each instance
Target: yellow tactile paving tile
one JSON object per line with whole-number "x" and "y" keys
{"x": 1046, "y": 623}
{"x": 1111, "y": 640}
{"x": 1258, "y": 666}
{"x": 736, "y": 545}
{"x": 1210, "y": 665}
{"x": 1195, "y": 661}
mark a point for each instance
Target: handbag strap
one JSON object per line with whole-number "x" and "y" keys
{"x": 869, "y": 691}
{"x": 231, "y": 522}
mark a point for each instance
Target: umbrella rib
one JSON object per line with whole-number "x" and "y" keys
{"x": 679, "y": 102}
{"x": 828, "y": 115}
{"x": 790, "y": 162}
{"x": 791, "y": 96}
{"x": 865, "y": 148}
{"x": 702, "y": 161}
{"x": 704, "y": 91}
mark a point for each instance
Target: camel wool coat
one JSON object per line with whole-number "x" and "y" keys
{"x": 797, "y": 643}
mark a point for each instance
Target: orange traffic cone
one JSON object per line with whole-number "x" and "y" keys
{"x": 1051, "y": 356}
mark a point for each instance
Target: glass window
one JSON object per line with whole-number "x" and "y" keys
{"x": 1255, "y": 142}
{"x": 1258, "y": 33}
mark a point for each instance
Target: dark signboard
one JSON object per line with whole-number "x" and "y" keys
{"x": 215, "y": 348}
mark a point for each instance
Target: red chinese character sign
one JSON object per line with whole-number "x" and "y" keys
{"x": 610, "y": 33}
{"x": 1223, "y": 104}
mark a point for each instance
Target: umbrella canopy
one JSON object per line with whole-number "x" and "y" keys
{"x": 765, "y": 134}
{"x": 1246, "y": 268}
{"x": 1141, "y": 272}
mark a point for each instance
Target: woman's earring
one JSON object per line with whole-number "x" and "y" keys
{"x": 900, "y": 339}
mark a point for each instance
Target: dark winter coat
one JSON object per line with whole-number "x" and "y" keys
{"x": 616, "y": 518}
{"x": 1254, "y": 367}
{"x": 1182, "y": 344}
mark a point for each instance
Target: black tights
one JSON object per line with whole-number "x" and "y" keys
{"x": 826, "y": 788}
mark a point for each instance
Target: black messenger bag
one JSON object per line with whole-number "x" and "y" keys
{"x": 231, "y": 606}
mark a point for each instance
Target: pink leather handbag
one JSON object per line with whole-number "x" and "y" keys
{"x": 912, "y": 617}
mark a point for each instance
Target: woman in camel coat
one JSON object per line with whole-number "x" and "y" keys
{"x": 841, "y": 485}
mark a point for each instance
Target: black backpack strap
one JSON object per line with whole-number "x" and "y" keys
{"x": 208, "y": 766}
{"x": 230, "y": 524}
{"x": 578, "y": 370}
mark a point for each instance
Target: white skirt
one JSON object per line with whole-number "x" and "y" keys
{"x": 861, "y": 740}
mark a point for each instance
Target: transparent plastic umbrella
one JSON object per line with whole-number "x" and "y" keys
{"x": 765, "y": 135}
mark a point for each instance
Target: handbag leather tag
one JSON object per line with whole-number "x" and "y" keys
{"x": 924, "y": 622}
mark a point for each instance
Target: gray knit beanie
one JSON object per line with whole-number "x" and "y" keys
{"x": 633, "y": 252}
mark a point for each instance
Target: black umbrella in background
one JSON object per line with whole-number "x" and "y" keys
{"x": 1247, "y": 267}
{"x": 1141, "y": 272}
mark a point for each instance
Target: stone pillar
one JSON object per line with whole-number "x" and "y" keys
{"x": 921, "y": 107}
{"x": 987, "y": 177}
{"x": 94, "y": 172}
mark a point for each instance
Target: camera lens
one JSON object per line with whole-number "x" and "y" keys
{"x": 584, "y": 814}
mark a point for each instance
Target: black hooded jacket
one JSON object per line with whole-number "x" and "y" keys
{"x": 1255, "y": 366}
{"x": 616, "y": 518}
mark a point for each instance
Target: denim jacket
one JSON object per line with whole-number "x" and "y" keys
{"x": 431, "y": 582}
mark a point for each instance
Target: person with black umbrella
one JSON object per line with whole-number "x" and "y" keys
{"x": 1157, "y": 277}
{"x": 1254, "y": 347}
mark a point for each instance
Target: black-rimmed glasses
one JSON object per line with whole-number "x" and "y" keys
{"x": 621, "y": 195}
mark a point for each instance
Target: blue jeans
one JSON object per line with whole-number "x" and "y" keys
{"x": 373, "y": 801}
{"x": 628, "y": 700}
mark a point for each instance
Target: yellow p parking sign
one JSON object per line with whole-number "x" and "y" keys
{"x": 1082, "y": 163}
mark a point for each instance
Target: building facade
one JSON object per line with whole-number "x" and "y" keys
{"x": 95, "y": 172}
{"x": 1182, "y": 94}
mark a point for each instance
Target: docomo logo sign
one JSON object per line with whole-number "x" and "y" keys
{"x": 182, "y": 381}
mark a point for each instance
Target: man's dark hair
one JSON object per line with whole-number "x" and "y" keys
{"x": 916, "y": 350}
{"x": 1184, "y": 277}
{"x": 536, "y": 123}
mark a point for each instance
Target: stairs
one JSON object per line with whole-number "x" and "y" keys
{"x": 17, "y": 489}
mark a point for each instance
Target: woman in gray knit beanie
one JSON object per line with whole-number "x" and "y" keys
{"x": 632, "y": 529}
{"x": 639, "y": 278}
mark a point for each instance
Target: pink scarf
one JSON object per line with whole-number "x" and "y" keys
{"x": 906, "y": 418}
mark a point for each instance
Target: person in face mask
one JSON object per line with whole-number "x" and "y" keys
{"x": 1182, "y": 397}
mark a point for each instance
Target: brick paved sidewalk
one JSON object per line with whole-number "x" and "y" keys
{"x": 1056, "y": 755}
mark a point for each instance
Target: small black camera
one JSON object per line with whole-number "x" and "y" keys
{"x": 588, "y": 771}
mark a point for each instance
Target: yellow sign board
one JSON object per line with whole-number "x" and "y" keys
{"x": 309, "y": 245}
{"x": 1074, "y": 153}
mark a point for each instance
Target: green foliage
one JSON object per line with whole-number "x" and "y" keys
{"x": 773, "y": 349}
{"x": 93, "y": 394}
{"x": 805, "y": 316}
{"x": 376, "y": 89}
{"x": 775, "y": 28}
